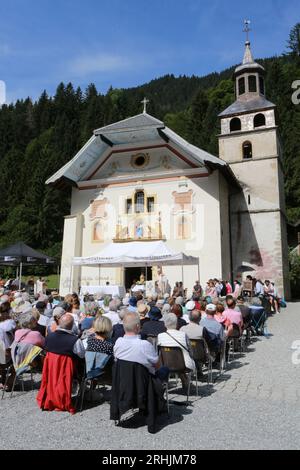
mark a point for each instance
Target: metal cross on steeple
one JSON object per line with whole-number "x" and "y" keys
{"x": 247, "y": 29}
{"x": 145, "y": 102}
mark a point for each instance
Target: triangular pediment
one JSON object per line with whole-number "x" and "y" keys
{"x": 149, "y": 160}
{"x": 113, "y": 150}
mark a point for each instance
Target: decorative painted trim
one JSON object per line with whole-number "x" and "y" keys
{"x": 186, "y": 160}
{"x": 135, "y": 181}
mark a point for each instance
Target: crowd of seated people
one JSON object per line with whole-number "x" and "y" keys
{"x": 124, "y": 328}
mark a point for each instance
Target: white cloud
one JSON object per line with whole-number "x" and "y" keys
{"x": 85, "y": 65}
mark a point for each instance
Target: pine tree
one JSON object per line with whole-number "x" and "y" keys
{"x": 294, "y": 41}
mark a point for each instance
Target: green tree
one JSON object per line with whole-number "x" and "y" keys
{"x": 294, "y": 41}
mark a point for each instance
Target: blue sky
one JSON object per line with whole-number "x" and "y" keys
{"x": 125, "y": 43}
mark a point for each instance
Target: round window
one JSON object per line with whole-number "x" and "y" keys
{"x": 140, "y": 161}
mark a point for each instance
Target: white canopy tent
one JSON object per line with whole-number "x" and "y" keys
{"x": 133, "y": 254}
{"x": 137, "y": 254}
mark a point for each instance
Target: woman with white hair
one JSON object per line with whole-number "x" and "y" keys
{"x": 58, "y": 312}
{"x": 174, "y": 338}
{"x": 26, "y": 334}
{"x": 112, "y": 314}
{"x": 166, "y": 309}
{"x": 118, "y": 328}
{"x": 91, "y": 310}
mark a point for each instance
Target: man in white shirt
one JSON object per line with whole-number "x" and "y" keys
{"x": 193, "y": 330}
{"x": 259, "y": 288}
{"x": 132, "y": 348}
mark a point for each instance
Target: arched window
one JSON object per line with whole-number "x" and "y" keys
{"x": 235, "y": 125}
{"x": 261, "y": 85}
{"x": 259, "y": 120}
{"x": 139, "y": 201}
{"x": 241, "y": 84}
{"x": 252, "y": 83}
{"x": 247, "y": 150}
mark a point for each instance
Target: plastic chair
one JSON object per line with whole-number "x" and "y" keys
{"x": 172, "y": 357}
{"x": 22, "y": 364}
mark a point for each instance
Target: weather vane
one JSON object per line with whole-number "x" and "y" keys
{"x": 145, "y": 102}
{"x": 247, "y": 28}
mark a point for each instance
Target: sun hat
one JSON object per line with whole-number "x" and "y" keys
{"x": 155, "y": 313}
{"x": 132, "y": 301}
{"x": 143, "y": 309}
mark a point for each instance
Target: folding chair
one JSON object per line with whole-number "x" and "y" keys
{"x": 201, "y": 356}
{"x": 172, "y": 357}
{"x": 95, "y": 363}
{"x": 23, "y": 356}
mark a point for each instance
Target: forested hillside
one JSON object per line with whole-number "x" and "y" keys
{"x": 37, "y": 138}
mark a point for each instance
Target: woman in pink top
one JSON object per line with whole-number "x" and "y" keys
{"x": 210, "y": 290}
{"x": 237, "y": 289}
{"x": 233, "y": 315}
{"x": 25, "y": 334}
{"x": 223, "y": 319}
{"x": 219, "y": 315}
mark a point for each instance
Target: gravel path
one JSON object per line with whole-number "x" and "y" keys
{"x": 254, "y": 405}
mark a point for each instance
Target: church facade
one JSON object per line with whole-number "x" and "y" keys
{"x": 136, "y": 180}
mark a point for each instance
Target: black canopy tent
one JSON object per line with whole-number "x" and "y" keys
{"x": 21, "y": 255}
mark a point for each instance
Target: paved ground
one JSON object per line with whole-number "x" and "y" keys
{"x": 255, "y": 405}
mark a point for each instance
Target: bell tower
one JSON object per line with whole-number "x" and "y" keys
{"x": 249, "y": 142}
